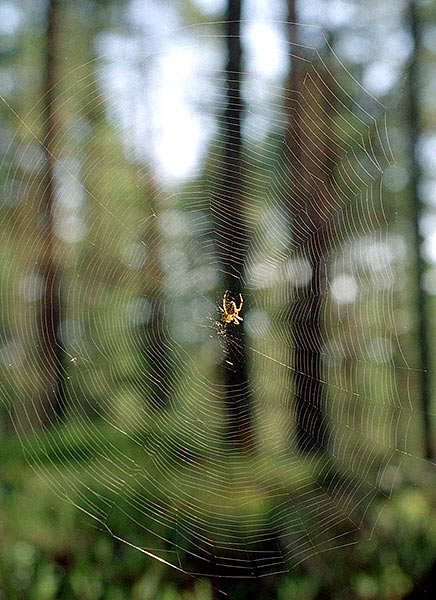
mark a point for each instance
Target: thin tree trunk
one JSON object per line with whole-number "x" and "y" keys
{"x": 52, "y": 354}
{"x": 306, "y": 312}
{"x": 155, "y": 358}
{"x": 232, "y": 237}
{"x": 154, "y": 353}
{"x": 417, "y": 208}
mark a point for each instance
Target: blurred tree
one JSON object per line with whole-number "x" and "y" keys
{"x": 231, "y": 235}
{"x": 311, "y": 166}
{"x": 52, "y": 354}
{"x": 152, "y": 355}
{"x": 417, "y": 206}
{"x": 153, "y": 350}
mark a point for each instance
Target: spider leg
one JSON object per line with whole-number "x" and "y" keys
{"x": 225, "y": 302}
{"x": 242, "y": 302}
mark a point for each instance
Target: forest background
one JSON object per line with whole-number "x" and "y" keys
{"x": 155, "y": 154}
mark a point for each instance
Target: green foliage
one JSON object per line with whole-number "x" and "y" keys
{"x": 51, "y": 550}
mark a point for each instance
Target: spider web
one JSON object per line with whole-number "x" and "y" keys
{"x": 141, "y": 276}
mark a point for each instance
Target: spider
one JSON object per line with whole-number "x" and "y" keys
{"x": 230, "y": 311}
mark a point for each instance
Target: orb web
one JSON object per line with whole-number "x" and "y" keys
{"x": 142, "y": 448}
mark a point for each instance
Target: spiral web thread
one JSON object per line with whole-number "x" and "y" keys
{"x": 144, "y": 279}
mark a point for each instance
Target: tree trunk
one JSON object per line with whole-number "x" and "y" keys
{"x": 155, "y": 358}
{"x": 154, "y": 353}
{"x": 417, "y": 209}
{"x": 231, "y": 238}
{"x": 51, "y": 347}
{"x": 306, "y": 322}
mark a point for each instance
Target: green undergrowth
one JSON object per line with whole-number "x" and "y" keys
{"x": 49, "y": 549}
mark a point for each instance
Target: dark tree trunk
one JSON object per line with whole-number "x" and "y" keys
{"x": 413, "y": 118}
{"x": 231, "y": 237}
{"x": 51, "y": 347}
{"x": 306, "y": 322}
